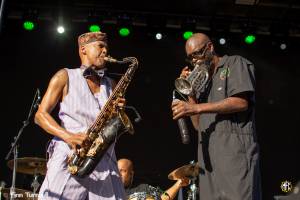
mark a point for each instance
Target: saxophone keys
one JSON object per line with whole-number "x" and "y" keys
{"x": 73, "y": 169}
{"x": 95, "y": 146}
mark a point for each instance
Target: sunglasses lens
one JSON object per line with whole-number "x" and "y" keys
{"x": 197, "y": 54}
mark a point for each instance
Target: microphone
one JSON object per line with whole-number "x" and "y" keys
{"x": 38, "y": 94}
{"x": 185, "y": 137}
{"x": 184, "y": 132}
{"x": 38, "y": 98}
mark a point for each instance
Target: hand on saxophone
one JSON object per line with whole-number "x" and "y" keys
{"x": 120, "y": 103}
{"x": 76, "y": 140}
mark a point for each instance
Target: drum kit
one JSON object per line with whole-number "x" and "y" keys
{"x": 153, "y": 193}
{"x": 26, "y": 165}
{"x": 37, "y": 166}
{"x": 190, "y": 171}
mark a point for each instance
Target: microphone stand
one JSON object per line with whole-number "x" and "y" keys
{"x": 2, "y": 15}
{"x": 14, "y": 145}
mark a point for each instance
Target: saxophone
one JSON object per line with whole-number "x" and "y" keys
{"x": 110, "y": 124}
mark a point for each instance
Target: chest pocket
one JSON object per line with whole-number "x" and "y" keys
{"x": 218, "y": 90}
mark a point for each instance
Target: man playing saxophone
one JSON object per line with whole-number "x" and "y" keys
{"x": 82, "y": 93}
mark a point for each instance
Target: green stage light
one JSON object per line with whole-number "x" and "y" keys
{"x": 124, "y": 32}
{"x": 28, "y": 25}
{"x": 250, "y": 39}
{"x": 187, "y": 34}
{"x": 94, "y": 28}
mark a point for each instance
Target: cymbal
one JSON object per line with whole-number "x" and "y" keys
{"x": 19, "y": 194}
{"x": 29, "y": 165}
{"x": 186, "y": 171}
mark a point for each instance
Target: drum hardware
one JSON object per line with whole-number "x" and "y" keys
{"x": 14, "y": 145}
{"x": 152, "y": 194}
{"x": 190, "y": 171}
{"x": 35, "y": 183}
{"x": 187, "y": 171}
{"x": 193, "y": 187}
{"x": 2, "y": 186}
{"x": 30, "y": 165}
{"x": 192, "y": 193}
{"x": 143, "y": 196}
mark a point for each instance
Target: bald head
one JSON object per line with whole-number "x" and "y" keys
{"x": 126, "y": 171}
{"x": 197, "y": 41}
{"x": 125, "y": 163}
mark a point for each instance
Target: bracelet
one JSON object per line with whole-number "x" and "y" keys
{"x": 165, "y": 193}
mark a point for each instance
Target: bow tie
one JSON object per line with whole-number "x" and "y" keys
{"x": 90, "y": 72}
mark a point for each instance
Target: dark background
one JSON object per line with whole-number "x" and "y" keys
{"x": 29, "y": 60}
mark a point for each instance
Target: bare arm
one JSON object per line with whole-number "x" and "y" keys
{"x": 172, "y": 191}
{"x": 232, "y": 104}
{"x": 226, "y": 106}
{"x": 56, "y": 89}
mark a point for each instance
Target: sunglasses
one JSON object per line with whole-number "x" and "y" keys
{"x": 197, "y": 54}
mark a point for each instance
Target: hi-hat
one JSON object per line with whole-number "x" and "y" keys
{"x": 186, "y": 171}
{"x": 19, "y": 194}
{"x": 29, "y": 165}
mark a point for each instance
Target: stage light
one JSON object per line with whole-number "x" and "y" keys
{"x": 187, "y": 34}
{"x": 250, "y": 39}
{"x": 60, "y": 29}
{"x": 283, "y": 46}
{"x": 187, "y": 25}
{"x": 94, "y": 28}
{"x": 29, "y": 19}
{"x": 158, "y": 36}
{"x": 222, "y": 41}
{"x": 124, "y": 31}
{"x": 93, "y": 21}
{"x": 28, "y": 25}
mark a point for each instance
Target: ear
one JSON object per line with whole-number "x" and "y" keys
{"x": 82, "y": 50}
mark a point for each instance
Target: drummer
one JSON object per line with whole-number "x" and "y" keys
{"x": 126, "y": 170}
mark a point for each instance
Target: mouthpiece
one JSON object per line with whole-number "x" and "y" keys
{"x": 110, "y": 59}
{"x": 123, "y": 61}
